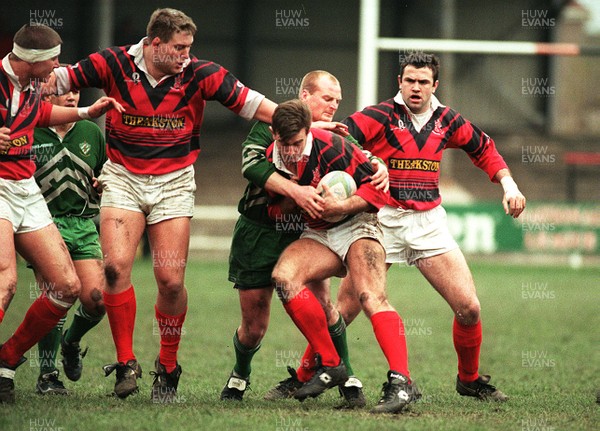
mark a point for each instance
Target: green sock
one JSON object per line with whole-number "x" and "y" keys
{"x": 82, "y": 323}
{"x": 338, "y": 336}
{"x": 48, "y": 348}
{"x": 243, "y": 357}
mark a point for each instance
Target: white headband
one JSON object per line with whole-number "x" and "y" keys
{"x": 34, "y": 55}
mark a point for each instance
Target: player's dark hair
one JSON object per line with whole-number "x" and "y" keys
{"x": 164, "y": 23}
{"x": 309, "y": 82}
{"x": 419, "y": 59}
{"x": 290, "y": 118}
{"x": 37, "y": 36}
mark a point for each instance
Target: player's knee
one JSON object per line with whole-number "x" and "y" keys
{"x": 111, "y": 274}
{"x": 68, "y": 289}
{"x": 8, "y": 289}
{"x": 372, "y": 302}
{"x": 279, "y": 279}
{"x": 170, "y": 290}
{"x": 468, "y": 314}
{"x": 93, "y": 303}
{"x": 254, "y": 332}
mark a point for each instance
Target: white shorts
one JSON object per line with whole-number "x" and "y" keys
{"x": 339, "y": 238}
{"x": 22, "y": 203}
{"x": 159, "y": 197}
{"x": 410, "y": 235}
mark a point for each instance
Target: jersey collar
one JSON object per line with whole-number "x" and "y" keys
{"x": 137, "y": 51}
{"x": 277, "y": 157}
{"x": 12, "y": 76}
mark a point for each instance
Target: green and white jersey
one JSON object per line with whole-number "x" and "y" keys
{"x": 65, "y": 168}
{"x": 256, "y": 169}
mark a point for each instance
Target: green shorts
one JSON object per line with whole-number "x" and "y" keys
{"x": 81, "y": 237}
{"x": 255, "y": 249}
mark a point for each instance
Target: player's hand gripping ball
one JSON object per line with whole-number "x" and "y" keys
{"x": 342, "y": 186}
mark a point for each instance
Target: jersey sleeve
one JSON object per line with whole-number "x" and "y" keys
{"x": 365, "y": 189}
{"x": 91, "y": 71}
{"x": 365, "y": 126}
{"x": 255, "y": 166}
{"x": 355, "y": 162}
{"x": 480, "y": 148}
{"x": 45, "y": 112}
{"x": 219, "y": 84}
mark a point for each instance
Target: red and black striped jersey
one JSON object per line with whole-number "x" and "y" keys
{"x": 20, "y": 111}
{"x": 159, "y": 132}
{"x": 325, "y": 152}
{"x": 413, "y": 156}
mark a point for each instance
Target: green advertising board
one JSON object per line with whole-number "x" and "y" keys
{"x": 542, "y": 228}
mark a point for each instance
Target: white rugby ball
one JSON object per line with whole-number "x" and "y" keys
{"x": 341, "y": 184}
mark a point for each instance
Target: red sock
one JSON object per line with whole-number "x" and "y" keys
{"x": 306, "y": 369}
{"x": 389, "y": 331}
{"x": 170, "y": 334}
{"x": 120, "y": 309}
{"x": 308, "y": 315}
{"x": 1, "y": 315}
{"x": 467, "y": 342}
{"x": 41, "y": 318}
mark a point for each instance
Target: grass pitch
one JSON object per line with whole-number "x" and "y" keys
{"x": 540, "y": 345}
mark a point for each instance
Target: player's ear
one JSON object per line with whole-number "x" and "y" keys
{"x": 399, "y": 80}
{"x": 155, "y": 42}
{"x": 272, "y": 132}
{"x": 435, "y": 86}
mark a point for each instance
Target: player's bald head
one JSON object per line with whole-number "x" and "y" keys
{"x": 310, "y": 82}
{"x": 166, "y": 22}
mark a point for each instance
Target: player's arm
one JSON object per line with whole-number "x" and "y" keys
{"x": 364, "y": 131}
{"x": 483, "y": 153}
{"x": 265, "y": 110}
{"x": 333, "y": 126}
{"x": 353, "y": 205}
{"x": 513, "y": 200}
{"x": 91, "y": 71}
{"x": 62, "y": 114}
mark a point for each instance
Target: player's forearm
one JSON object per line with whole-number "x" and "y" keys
{"x": 265, "y": 111}
{"x": 353, "y": 205}
{"x": 505, "y": 179}
{"x": 63, "y": 115}
{"x": 276, "y": 183}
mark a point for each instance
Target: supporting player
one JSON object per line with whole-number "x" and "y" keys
{"x": 258, "y": 241}
{"x": 148, "y": 182}
{"x": 25, "y": 223}
{"x": 330, "y": 249}
{"x": 410, "y": 133}
{"x": 68, "y": 159}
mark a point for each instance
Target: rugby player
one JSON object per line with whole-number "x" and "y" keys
{"x": 352, "y": 245}
{"x": 410, "y": 132}
{"x": 25, "y": 223}
{"x": 68, "y": 159}
{"x": 148, "y": 181}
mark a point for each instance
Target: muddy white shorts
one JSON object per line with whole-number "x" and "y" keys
{"x": 159, "y": 197}
{"x": 410, "y": 235}
{"x": 22, "y": 203}
{"x": 339, "y": 238}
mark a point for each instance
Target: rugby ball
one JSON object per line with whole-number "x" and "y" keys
{"x": 341, "y": 184}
